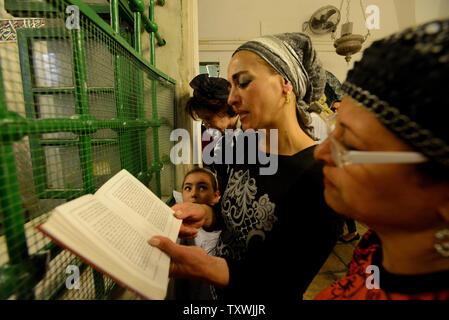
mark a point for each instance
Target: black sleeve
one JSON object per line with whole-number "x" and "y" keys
{"x": 218, "y": 225}
{"x": 320, "y": 228}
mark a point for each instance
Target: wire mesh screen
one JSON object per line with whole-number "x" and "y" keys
{"x": 76, "y": 106}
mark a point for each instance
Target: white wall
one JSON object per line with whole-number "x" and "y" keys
{"x": 225, "y": 24}
{"x": 431, "y": 9}
{"x": 411, "y": 12}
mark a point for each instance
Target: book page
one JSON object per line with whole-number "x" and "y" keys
{"x": 113, "y": 229}
{"x": 110, "y": 242}
{"x": 125, "y": 192}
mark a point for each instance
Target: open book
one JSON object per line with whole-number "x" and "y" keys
{"x": 110, "y": 231}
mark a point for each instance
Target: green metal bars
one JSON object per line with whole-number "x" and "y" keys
{"x": 77, "y": 104}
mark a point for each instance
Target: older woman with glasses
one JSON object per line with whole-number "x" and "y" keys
{"x": 386, "y": 163}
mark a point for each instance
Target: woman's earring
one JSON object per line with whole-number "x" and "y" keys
{"x": 442, "y": 245}
{"x": 287, "y": 98}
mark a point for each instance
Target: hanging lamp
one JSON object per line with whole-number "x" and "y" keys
{"x": 348, "y": 43}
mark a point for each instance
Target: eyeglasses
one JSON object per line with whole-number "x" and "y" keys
{"x": 342, "y": 156}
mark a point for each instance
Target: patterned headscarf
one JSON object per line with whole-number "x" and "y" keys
{"x": 294, "y": 58}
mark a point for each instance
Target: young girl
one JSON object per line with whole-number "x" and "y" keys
{"x": 200, "y": 186}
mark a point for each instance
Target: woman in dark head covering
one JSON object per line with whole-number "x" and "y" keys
{"x": 209, "y": 103}
{"x": 266, "y": 218}
{"x": 387, "y": 165}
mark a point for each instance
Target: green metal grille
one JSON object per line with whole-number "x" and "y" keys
{"x": 76, "y": 106}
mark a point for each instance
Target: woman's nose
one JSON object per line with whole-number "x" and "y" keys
{"x": 233, "y": 98}
{"x": 323, "y": 153}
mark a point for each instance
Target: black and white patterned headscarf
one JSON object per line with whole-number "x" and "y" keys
{"x": 294, "y": 58}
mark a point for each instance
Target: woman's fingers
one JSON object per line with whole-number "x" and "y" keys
{"x": 189, "y": 211}
{"x": 164, "y": 244}
{"x": 193, "y": 262}
{"x": 192, "y": 216}
{"x": 187, "y": 232}
{"x": 181, "y": 211}
{"x": 179, "y": 215}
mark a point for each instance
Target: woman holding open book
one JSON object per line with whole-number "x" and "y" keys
{"x": 266, "y": 217}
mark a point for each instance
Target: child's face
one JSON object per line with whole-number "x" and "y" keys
{"x": 198, "y": 188}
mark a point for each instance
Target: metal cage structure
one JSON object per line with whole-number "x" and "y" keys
{"x": 78, "y": 103}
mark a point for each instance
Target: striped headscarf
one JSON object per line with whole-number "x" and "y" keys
{"x": 294, "y": 58}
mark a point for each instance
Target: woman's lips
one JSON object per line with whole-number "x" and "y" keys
{"x": 243, "y": 115}
{"x": 327, "y": 183}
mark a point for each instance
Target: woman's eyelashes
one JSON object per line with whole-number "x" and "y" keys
{"x": 244, "y": 82}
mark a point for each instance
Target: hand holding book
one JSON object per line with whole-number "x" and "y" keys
{"x": 193, "y": 262}
{"x": 110, "y": 231}
{"x": 193, "y": 216}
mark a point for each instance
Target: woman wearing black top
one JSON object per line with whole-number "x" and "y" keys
{"x": 268, "y": 248}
